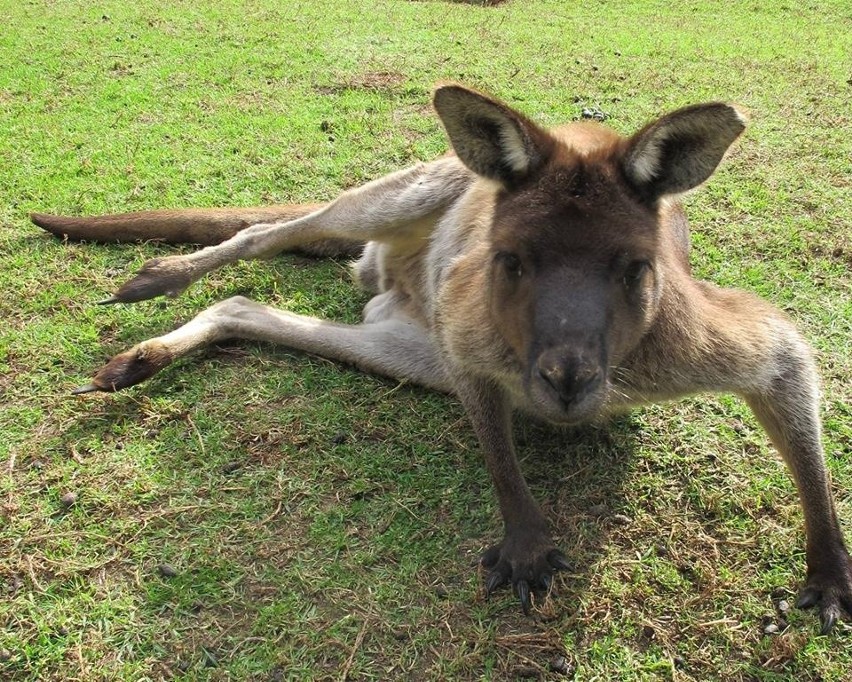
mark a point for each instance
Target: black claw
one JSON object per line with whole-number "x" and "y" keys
{"x": 88, "y": 388}
{"x": 828, "y": 618}
{"x": 522, "y": 589}
{"x": 558, "y": 560}
{"x": 546, "y": 581}
{"x": 109, "y": 301}
{"x": 493, "y": 581}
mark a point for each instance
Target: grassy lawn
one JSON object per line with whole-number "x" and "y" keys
{"x": 257, "y": 514}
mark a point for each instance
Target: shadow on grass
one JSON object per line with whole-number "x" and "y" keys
{"x": 364, "y": 528}
{"x": 577, "y": 475}
{"x": 290, "y": 523}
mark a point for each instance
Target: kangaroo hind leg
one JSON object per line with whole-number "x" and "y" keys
{"x": 387, "y": 209}
{"x": 395, "y": 347}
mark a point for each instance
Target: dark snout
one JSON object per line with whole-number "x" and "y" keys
{"x": 568, "y": 362}
{"x": 571, "y": 373}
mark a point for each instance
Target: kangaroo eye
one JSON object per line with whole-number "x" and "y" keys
{"x": 511, "y": 263}
{"x": 635, "y": 272}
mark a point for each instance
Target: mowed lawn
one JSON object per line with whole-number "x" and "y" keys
{"x": 258, "y": 514}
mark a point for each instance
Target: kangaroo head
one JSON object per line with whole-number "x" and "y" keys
{"x": 578, "y": 245}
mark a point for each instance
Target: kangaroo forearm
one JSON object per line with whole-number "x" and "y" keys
{"x": 405, "y": 204}
{"x": 771, "y": 365}
{"x": 371, "y": 211}
{"x": 490, "y": 414}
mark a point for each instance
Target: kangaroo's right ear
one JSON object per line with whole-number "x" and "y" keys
{"x": 490, "y": 138}
{"x": 681, "y": 150}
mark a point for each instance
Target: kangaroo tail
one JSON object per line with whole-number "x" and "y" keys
{"x": 203, "y": 226}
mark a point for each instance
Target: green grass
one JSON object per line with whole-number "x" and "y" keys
{"x": 300, "y": 554}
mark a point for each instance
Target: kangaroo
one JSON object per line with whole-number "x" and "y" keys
{"x": 532, "y": 270}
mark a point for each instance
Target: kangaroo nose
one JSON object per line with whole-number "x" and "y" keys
{"x": 571, "y": 377}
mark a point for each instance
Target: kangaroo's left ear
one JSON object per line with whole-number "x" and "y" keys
{"x": 490, "y": 138}
{"x": 682, "y": 149}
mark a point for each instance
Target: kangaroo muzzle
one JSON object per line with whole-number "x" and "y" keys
{"x": 570, "y": 374}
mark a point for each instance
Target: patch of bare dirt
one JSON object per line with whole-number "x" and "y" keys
{"x": 375, "y": 81}
{"x": 481, "y": 3}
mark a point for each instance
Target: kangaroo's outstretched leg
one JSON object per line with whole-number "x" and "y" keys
{"x": 394, "y": 347}
{"x": 739, "y": 343}
{"x": 526, "y": 558}
{"x": 398, "y": 207}
{"x": 787, "y": 409}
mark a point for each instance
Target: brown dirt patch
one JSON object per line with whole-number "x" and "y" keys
{"x": 375, "y": 81}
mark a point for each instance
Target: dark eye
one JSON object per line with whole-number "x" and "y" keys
{"x": 510, "y": 262}
{"x": 634, "y": 272}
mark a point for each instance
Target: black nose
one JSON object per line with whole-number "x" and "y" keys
{"x": 572, "y": 376}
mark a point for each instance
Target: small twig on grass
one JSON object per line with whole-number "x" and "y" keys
{"x": 31, "y": 572}
{"x": 360, "y": 638}
{"x": 74, "y": 534}
{"x": 387, "y": 524}
{"x": 577, "y": 472}
{"x": 80, "y": 660}
{"x": 197, "y": 435}
{"x": 273, "y": 514}
{"x": 391, "y": 391}
{"x": 532, "y": 640}
{"x": 451, "y": 428}
{"x": 415, "y": 516}
{"x": 72, "y": 569}
{"x": 532, "y": 663}
{"x": 168, "y": 511}
{"x": 232, "y": 652}
{"x": 733, "y": 624}
{"x": 76, "y": 455}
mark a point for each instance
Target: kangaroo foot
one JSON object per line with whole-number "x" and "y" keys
{"x": 158, "y": 277}
{"x": 829, "y": 587}
{"x": 525, "y": 561}
{"x": 129, "y": 368}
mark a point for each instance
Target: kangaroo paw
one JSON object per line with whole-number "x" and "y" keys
{"x": 526, "y": 563}
{"x": 129, "y": 368}
{"x": 158, "y": 277}
{"x": 829, "y": 588}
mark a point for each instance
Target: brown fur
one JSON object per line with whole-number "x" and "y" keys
{"x": 203, "y": 226}
{"x": 545, "y": 271}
